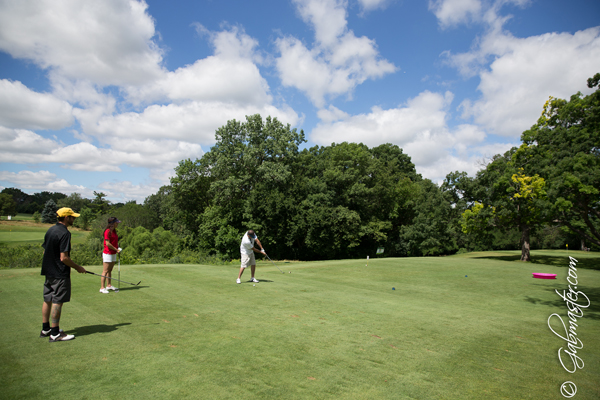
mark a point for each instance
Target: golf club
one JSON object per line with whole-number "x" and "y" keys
{"x": 273, "y": 263}
{"x": 119, "y": 255}
{"x": 93, "y": 273}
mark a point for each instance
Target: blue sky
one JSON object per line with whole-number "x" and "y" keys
{"x": 109, "y": 96}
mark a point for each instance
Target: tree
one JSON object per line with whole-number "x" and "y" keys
{"x": 134, "y": 215}
{"x": 182, "y": 204}
{"x": 564, "y": 147}
{"x": 74, "y": 201}
{"x": 99, "y": 205}
{"x": 507, "y": 198}
{"x": 49, "y": 212}
{"x": 432, "y": 229}
{"x": 86, "y": 216}
{"x": 7, "y": 205}
{"x": 22, "y": 199}
{"x": 248, "y": 157}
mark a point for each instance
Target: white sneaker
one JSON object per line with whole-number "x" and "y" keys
{"x": 111, "y": 287}
{"x": 105, "y": 291}
{"x": 254, "y": 280}
{"x": 61, "y": 337}
{"x": 238, "y": 281}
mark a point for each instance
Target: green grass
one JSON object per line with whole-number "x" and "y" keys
{"x": 13, "y": 233}
{"x": 328, "y": 330}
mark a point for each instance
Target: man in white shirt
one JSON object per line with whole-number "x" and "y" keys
{"x": 247, "y": 251}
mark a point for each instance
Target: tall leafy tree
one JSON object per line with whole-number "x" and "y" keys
{"x": 7, "y": 205}
{"x": 245, "y": 171}
{"x": 507, "y": 198}
{"x": 22, "y": 199}
{"x": 74, "y": 201}
{"x": 432, "y": 230}
{"x": 564, "y": 147}
{"x": 351, "y": 199}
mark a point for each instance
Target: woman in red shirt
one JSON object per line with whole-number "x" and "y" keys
{"x": 109, "y": 255}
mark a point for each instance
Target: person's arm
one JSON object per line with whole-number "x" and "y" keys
{"x": 262, "y": 250}
{"x": 110, "y": 246}
{"x": 65, "y": 259}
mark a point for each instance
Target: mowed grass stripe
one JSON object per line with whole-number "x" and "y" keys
{"x": 327, "y": 330}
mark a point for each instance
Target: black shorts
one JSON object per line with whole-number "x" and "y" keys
{"x": 57, "y": 290}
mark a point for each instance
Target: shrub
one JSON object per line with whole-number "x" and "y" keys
{"x": 24, "y": 256}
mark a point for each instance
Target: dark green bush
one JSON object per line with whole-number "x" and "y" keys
{"x": 25, "y": 256}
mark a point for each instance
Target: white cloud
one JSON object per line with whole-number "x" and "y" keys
{"x": 454, "y": 12}
{"x": 332, "y": 114}
{"x": 230, "y": 75}
{"x": 23, "y": 108}
{"x": 194, "y": 100}
{"x": 517, "y": 75}
{"x": 107, "y": 42}
{"x": 451, "y": 13}
{"x": 194, "y": 122}
{"x": 20, "y": 144}
{"x": 420, "y": 128}
{"x": 28, "y": 179}
{"x": 338, "y": 62}
{"x": 423, "y": 115}
{"x": 26, "y": 147}
{"x": 525, "y": 72}
{"x": 42, "y": 181}
{"x": 158, "y": 154}
{"x": 122, "y": 191}
{"x": 370, "y": 5}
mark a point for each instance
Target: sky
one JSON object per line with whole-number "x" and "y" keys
{"x": 110, "y": 96}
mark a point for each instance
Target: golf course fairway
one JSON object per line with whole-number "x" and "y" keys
{"x": 471, "y": 326}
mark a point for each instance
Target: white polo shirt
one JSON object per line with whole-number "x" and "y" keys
{"x": 247, "y": 245}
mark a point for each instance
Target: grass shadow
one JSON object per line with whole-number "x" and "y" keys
{"x": 592, "y": 312}
{"x": 555, "y": 261}
{"x": 91, "y": 329}
{"x": 132, "y": 288}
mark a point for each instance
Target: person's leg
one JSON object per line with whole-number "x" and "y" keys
{"x": 103, "y": 279}
{"x": 244, "y": 264}
{"x": 46, "y": 307}
{"x": 53, "y": 301}
{"x": 108, "y": 273}
{"x": 252, "y": 267}
{"x": 55, "y": 317}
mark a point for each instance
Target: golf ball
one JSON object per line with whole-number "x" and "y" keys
{"x": 254, "y": 285}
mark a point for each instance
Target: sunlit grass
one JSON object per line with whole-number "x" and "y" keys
{"x": 464, "y": 327}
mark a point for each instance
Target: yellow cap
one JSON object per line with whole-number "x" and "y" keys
{"x": 65, "y": 212}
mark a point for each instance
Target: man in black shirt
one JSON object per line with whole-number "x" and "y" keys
{"x": 56, "y": 266}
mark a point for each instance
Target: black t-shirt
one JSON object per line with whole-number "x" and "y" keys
{"x": 56, "y": 241}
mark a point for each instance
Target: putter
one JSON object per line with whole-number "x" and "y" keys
{"x": 273, "y": 263}
{"x": 93, "y": 273}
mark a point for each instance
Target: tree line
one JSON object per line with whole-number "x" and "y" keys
{"x": 346, "y": 199}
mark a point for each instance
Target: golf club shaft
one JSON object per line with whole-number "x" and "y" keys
{"x": 108, "y": 277}
{"x": 273, "y": 263}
